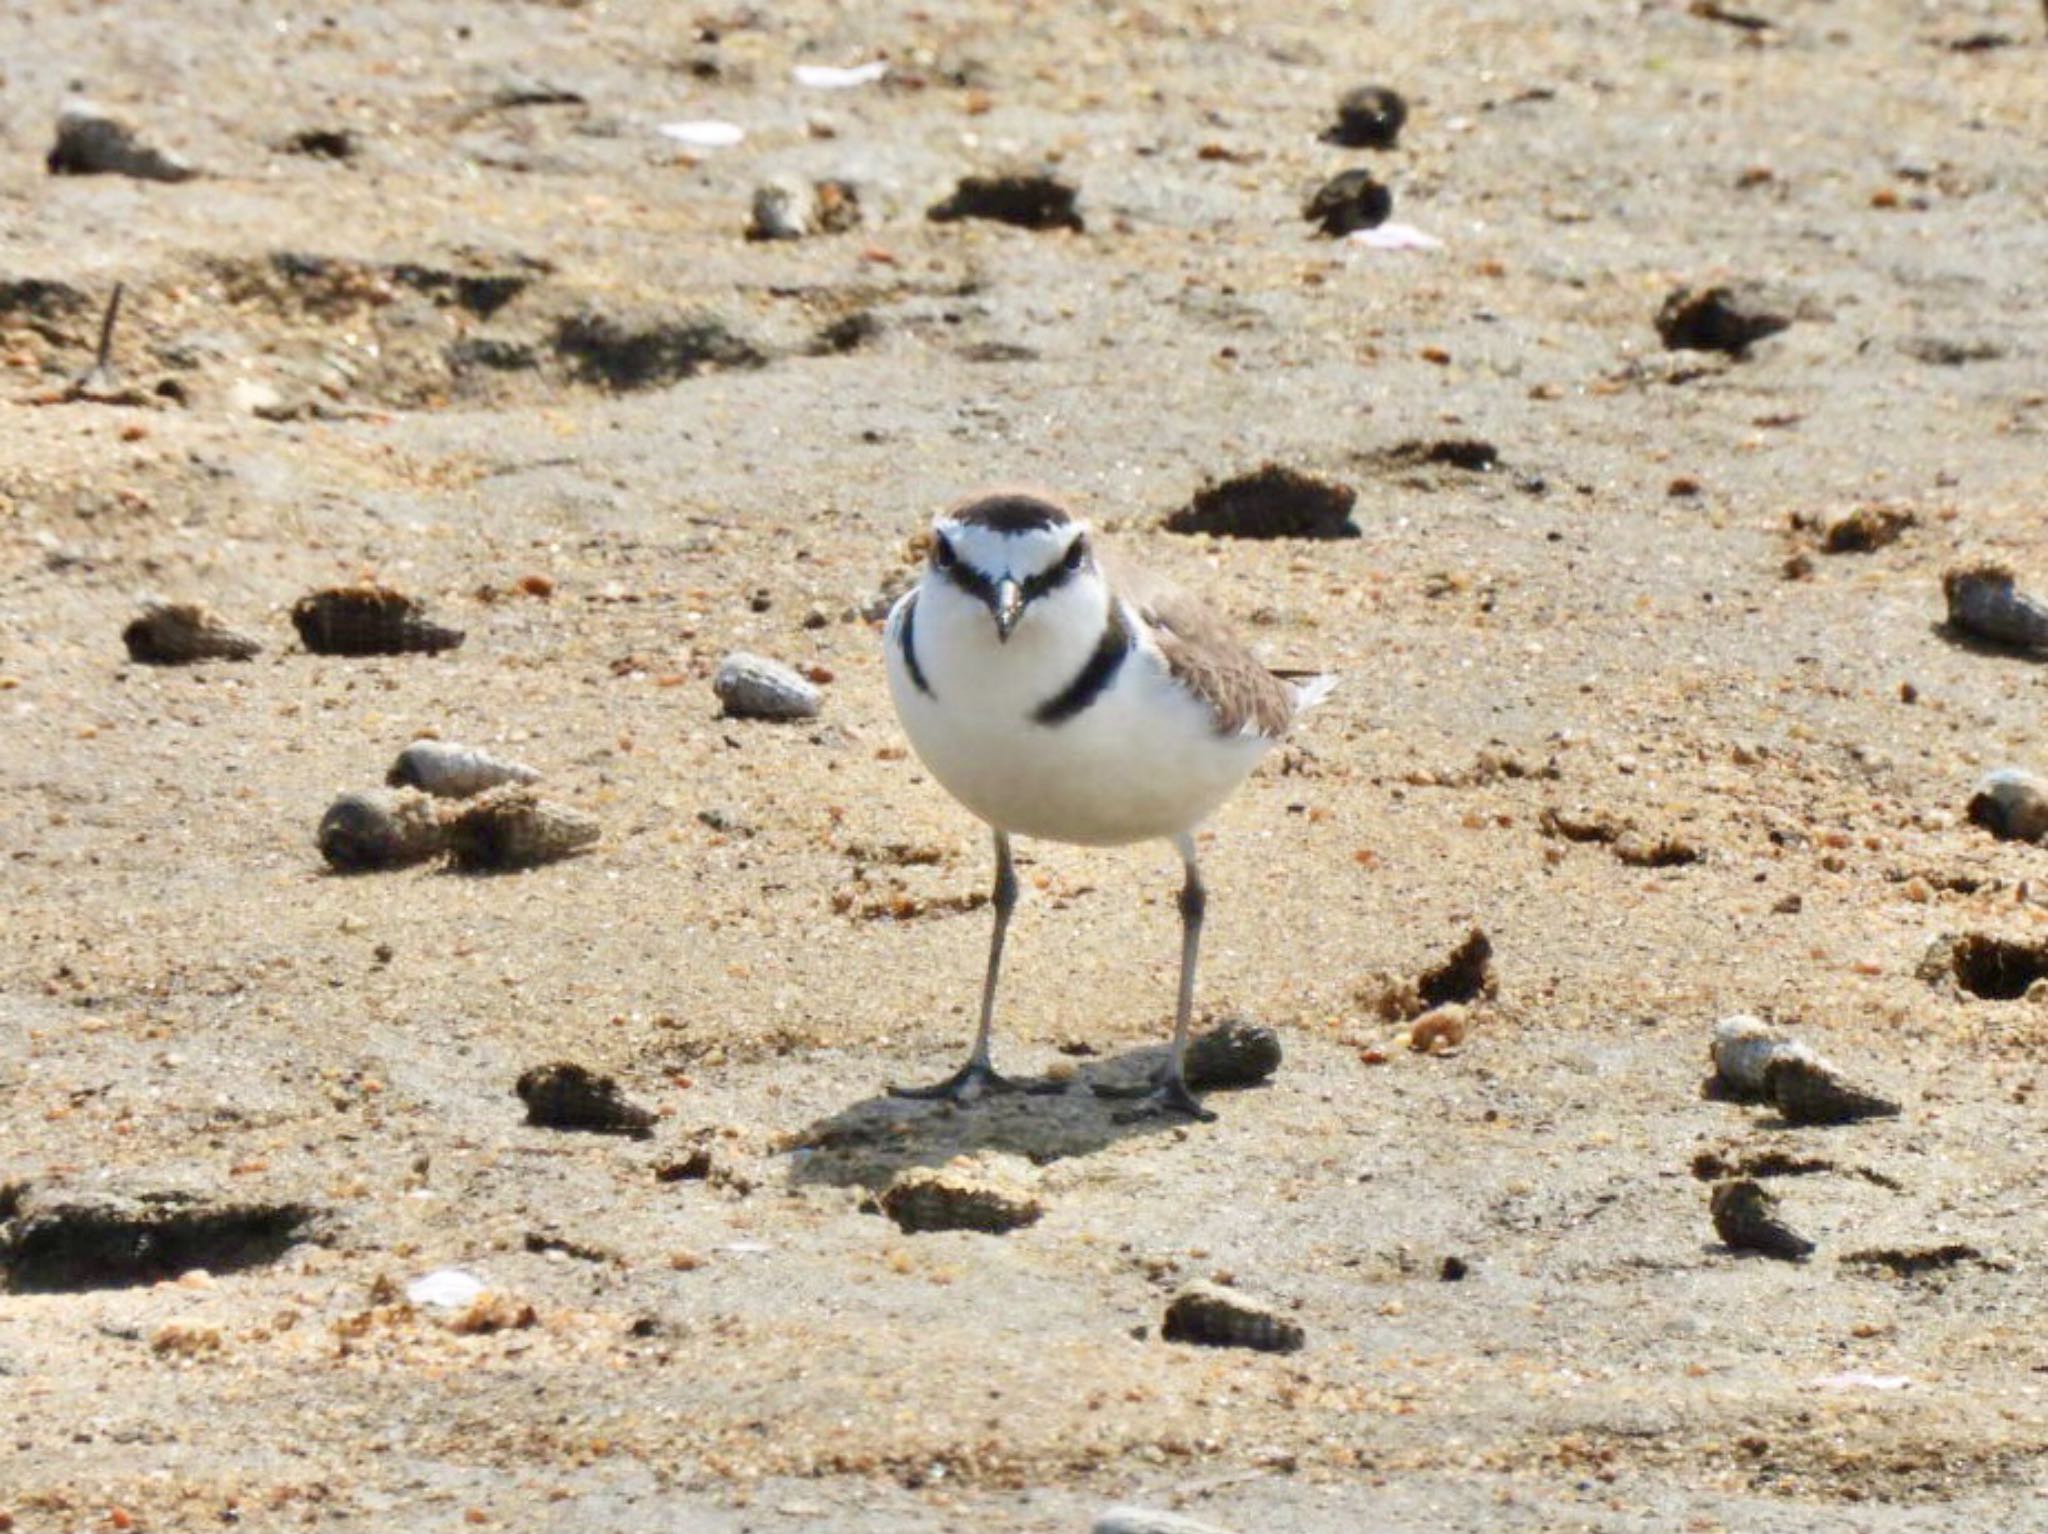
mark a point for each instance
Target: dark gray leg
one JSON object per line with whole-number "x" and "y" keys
{"x": 978, "y": 1075}
{"x": 1168, "y": 1091}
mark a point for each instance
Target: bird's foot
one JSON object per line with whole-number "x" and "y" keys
{"x": 973, "y": 1081}
{"x": 1164, "y": 1095}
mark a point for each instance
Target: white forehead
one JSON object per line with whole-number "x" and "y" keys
{"x": 995, "y": 553}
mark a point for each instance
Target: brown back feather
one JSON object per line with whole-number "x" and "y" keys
{"x": 1207, "y": 658}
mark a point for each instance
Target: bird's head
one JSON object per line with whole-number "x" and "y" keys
{"x": 1015, "y": 554}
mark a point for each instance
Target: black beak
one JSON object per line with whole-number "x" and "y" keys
{"x": 1008, "y": 606}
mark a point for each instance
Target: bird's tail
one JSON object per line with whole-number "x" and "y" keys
{"x": 1311, "y": 689}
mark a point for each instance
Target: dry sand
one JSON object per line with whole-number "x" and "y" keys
{"x": 781, "y": 918}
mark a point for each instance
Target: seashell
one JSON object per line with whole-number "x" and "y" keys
{"x": 1726, "y": 317}
{"x": 1742, "y": 1052}
{"x": 1213, "y": 1316}
{"x": 450, "y": 771}
{"x": 1984, "y": 601}
{"x": 91, "y": 141}
{"x": 1746, "y": 1217}
{"x": 1145, "y": 1520}
{"x": 1026, "y": 199}
{"x": 1233, "y": 1054}
{"x": 790, "y": 208}
{"x": 944, "y": 1198}
{"x": 2011, "y": 804}
{"x": 1370, "y": 117}
{"x": 753, "y": 687}
{"x": 175, "y": 633}
{"x": 1348, "y": 201}
{"x": 512, "y": 827}
{"x": 566, "y": 1095}
{"x": 368, "y": 620}
{"x": 381, "y": 828}
{"x": 1808, "y": 1090}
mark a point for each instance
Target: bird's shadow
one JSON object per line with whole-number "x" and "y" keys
{"x": 867, "y": 1143}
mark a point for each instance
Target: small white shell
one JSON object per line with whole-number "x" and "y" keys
{"x": 753, "y": 687}
{"x": 450, "y": 771}
{"x": 1743, "y": 1050}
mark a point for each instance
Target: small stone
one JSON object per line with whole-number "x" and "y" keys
{"x": 1348, "y": 201}
{"x": 1233, "y": 1054}
{"x": 785, "y": 208}
{"x": 566, "y": 1095}
{"x": 949, "y": 1198}
{"x": 91, "y": 141}
{"x": 2012, "y": 804}
{"x": 754, "y": 687}
{"x": 1725, "y": 317}
{"x": 1865, "y": 530}
{"x": 1369, "y": 117}
{"x": 1211, "y": 1315}
{"x": 1746, "y": 1217}
{"x": 1440, "y": 1029}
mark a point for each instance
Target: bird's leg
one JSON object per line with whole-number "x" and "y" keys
{"x": 978, "y": 1075}
{"x": 1167, "y": 1092}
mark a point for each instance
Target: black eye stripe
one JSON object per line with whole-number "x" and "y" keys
{"x": 982, "y": 589}
{"x": 969, "y": 580}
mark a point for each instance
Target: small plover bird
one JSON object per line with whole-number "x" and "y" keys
{"x": 1058, "y": 696}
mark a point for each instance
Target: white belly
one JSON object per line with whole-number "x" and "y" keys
{"x": 1143, "y": 761}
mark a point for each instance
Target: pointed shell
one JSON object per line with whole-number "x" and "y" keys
{"x": 175, "y": 633}
{"x": 1742, "y": 1051}
{"x": 1213, "y": 1316}
{"x": 368, "y": 620}
{"x": 381, "y": 828}
{"x": 942, "y": 1198}
{"x": 512, "y": 827}
{"x": 566, "y": 1095}
{"x": 1746, "y": 1217}
{"x": 451, "y": 771}
{"x": 754, "y": 687}
{"x": 1983, "y": 600}
{"x": 1808, "y": 1090}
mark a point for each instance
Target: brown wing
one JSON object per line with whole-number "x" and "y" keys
{"x": 1207, "y": 658}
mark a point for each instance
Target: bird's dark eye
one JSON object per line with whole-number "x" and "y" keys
{"x": 1076, "y": 552}
{"x": 943, "y": 557}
